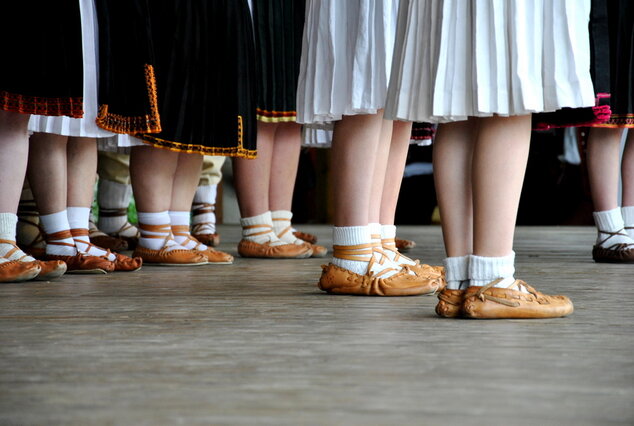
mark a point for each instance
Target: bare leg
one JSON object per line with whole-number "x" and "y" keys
{"x": 14, "y": 149}
{"x": 354, "y": 147}
{"x": 251, "y": 177}
{"x": 284, "y": 163}
{"x": 401, "y": 132}
{"x": 627, "y": 170}
{"x": 453, "y": 152}
{"x": 185, "y": 181}
{"x": 380, "y": 170}
{"x": 47, "y": 171}
{"x": 499, "y": 163}
{"x": 152, "y": 171}
{"x": 82, "y": 169}
{"x": 603, "y": 167}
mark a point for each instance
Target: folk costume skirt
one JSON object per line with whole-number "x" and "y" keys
{"x": 612, "y": 35}
{"x": 456, "y": 59}
{"x": 86, "y": 126}
{"x": 205, "y": 77}
{"x": 41, "y": 71}
{"x": 278, "y": 26}
{"x": 346, "y": 58}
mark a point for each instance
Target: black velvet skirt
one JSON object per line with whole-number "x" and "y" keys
{"x": 127, "y": 93}
{"x": 42, "y": 70}
{"x": 205, "y": 77}
{"x": 279, "y": 25}
{"x": 612, "y": 35}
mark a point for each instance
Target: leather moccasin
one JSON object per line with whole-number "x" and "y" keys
{"x": 618, "y": 253}
{"x": 50, "y": 269}
{"x": 248, "y": 248}
{"x": 450, "y": 303}
{"x": 217, "y": 257}
{"x": 164, "y": 257}
{"x": 404, "y": 245}
{"x": 493, "y": 302}
{"x": 432, "y": 273}
{"x": 84, "y": 264}
{"x": 125, "y": 263}
{"x": 14, "y": 271}
{"x": 318, "y": 251}
{"x": 337, "y": 280}
{"x": 305, "y": 236}
{"x": 208, "y": 239}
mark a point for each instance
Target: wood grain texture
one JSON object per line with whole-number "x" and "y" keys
{"x": 257, "y": 343}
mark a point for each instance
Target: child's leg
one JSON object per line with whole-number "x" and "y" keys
{"x": 603, "y": 171}
{"x": 183, "y": 189}
{"x": 499, "y": 162}
{"x": 627, "y": 180}
{"x": 204, "y": 205}
{"x": 153, "y": 172}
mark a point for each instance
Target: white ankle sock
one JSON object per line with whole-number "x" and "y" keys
{"x": 457, "y": 272}
{"x": 628, "y": 219}
{"x": 205, "y": 200}
{"x": 8, "y": 223}
{"x": 483, "y": 270}
{"x": 157, "y": 219}
{"x": 113, "y": 197}
{"x": 182, "y": 218}
{"x": 259, "y": 229}
{"x": 356, "y": 235}
{"x": 388, "y": 236}
{"x": 282, "y": 226}
{"x": 78, "y": 218}
{"x": 57, "y": 222}
{"x": 611, "y": 221}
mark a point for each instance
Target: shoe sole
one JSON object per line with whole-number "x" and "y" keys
{"x": 87, "y": 272}
{"x": 26, "y": 277}
{"x": 145, "y": 262}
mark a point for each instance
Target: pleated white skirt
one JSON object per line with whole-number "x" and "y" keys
{"x": 86, "y": 126}
{"x": 454, "y": 59}
{"x": 346, "y": 58}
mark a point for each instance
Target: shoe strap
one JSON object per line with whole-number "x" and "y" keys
{"x": 165, "y": 232}
{"x": 517, "y": 284}
{"x": 39, "y": 238}
{"x": 56, "y": 237}
{"x": 113, "y": 212}
{"x": 13, "y": 250}
{"x": 358, "y": 252}
{"x": 183, "y": 231}
{"x": 268, "y": 228}
{"x": 82, "y": 232}
{"x": 198, "y": 227}
{"x": 203, "y": 208}
{"x": 609, "y": 234}
{"x": 284, "y": 231}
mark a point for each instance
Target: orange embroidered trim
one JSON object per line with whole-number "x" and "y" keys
{"x": 24, "y": 104}
{"x": 140, "y": 124}
{"x": 237, "y": 151}
{"x": 275, "y": 116}
{"x": 618, "y": 120}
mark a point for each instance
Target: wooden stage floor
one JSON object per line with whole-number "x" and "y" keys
{"x": 258, "y": 343}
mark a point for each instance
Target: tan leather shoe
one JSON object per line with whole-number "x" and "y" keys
{"x": 50, "y": 269}
{"x": 84, "y": 264}
{"x": 217, "y": 257}
{"x": 318, "y": 251}
{"x": 618, "y": 253}
{"x": 404, "y": 245}
{"x": 338, "y": 280}
{"x": 305, "y": 236}
{"x": 493, "y": 302}
{"x": 14, "y": 271}
{"x": 212, "y": 240}
{"x": 450, "y": 303}
{"x": 164, "y": 257}
{"x": 248, "y": 248}
{"x": 125, "y": 263}
{"x": 430, "y": 272}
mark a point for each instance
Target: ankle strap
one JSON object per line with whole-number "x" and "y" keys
{"x": 359, "y": 252}
{"x": 159, "y": 229}
{"x": 113, "y": 212}
{"x": 609, "y": 234}
{"x": 268, "y": 228}
{"x": 80, "y": 232}
{"x": 53, "y": 239}
{"x": 203, "y": 208}
{"x": 15, "y": 248}
{"x": 180, "y": 230}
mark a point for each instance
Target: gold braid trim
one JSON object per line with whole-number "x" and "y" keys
{"x": 234, "y": 151}
{"x": 140, "y": 124}
{"x": 24, "y": 104}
